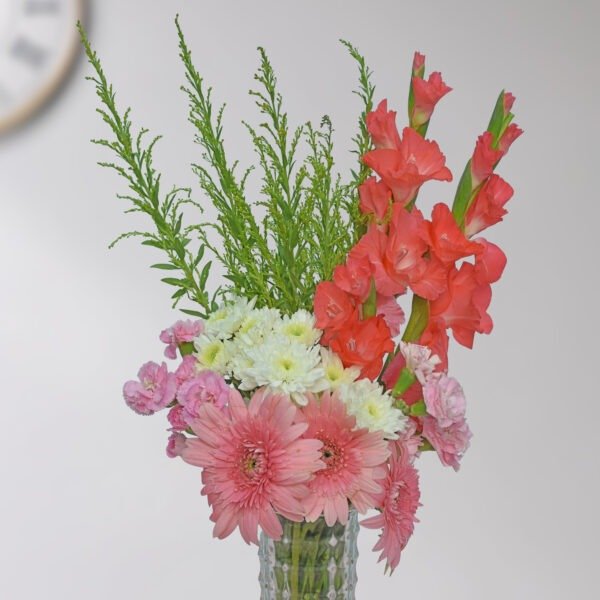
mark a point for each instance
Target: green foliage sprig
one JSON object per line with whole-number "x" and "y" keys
{"x": 134, "y": 162}
{"x": 311, "y": 218}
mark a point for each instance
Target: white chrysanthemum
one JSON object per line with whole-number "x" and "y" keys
{"x": 335, "y": 373}
{"x": 419, "y": 360}
{"x": 284, "y": 366}
{"x": 226, "y": 320}
{"x": 257, "y": 326}
{"x": 211, "y": 354}
{"x": 300, "y": 327}
{"x": 239, "y": 363}
{"x": 373, "y": 408}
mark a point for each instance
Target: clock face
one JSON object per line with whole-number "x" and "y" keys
{"x": 38, "y": 42}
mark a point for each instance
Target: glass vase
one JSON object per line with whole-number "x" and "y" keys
{"x": 311, "y": 561}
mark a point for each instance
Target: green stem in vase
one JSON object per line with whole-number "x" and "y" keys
{"x": 297, "y": 538}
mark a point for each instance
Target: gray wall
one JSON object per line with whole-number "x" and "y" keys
{"x": 90, "y": 506}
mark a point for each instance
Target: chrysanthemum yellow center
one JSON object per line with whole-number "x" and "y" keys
{"x": 373, "y": 409}
{"x": 286, "y": 364}
{"x": 334, "y": 373}
{"x": 210, "y": 353}
{"x": 248, "y": 324}
{"x": 296, "y": 329}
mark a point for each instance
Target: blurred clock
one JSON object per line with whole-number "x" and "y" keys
{"x": 38, "y": 42}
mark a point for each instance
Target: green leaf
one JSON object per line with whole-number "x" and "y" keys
{"x": 164, "y": 266}
{"x": 174, "y": 281}
{"x": 463, "y": 196}
{"x": 178, "y": 294}
{"x": 193, "y": 313}
{"x": 497, "y": 119}
{"x": 154, "y": 244}
{"x": 205, "y": 272}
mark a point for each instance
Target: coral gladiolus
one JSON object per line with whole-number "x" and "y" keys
{"x": 508, "y": 102}
{"x": 447, "y": 241}
{"x": 490, "y": 262}
{"x": 511, "y": 133}
{"x": 354, "y": 277}
{"x": 488, "y": 206}
{"x": 375, "y": 198}
{"x": 436, "y": 338}
{"x": 372, "y": 246}
{"x": 381, "y": 124}
{"x": 463, "y": 307}
{"x": 398, "y": 259}
{"x": 363, "y": 344}
{"x": 333, "y": 306}
{"x": 418, "y": 66}
{"x": 391, "y": 312}
{"x": 485, "y": 158}
{"x": 406, "y": 169}
{"x": 427, "y": 93}
{"x": 404, "y": 254}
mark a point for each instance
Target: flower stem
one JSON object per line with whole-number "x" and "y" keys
{"x": 296, "y": 551}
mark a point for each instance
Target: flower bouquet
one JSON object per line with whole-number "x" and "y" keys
{"x": 298, "y": 388}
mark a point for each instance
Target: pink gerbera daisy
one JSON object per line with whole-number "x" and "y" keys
{"x": 353, "y": 461}
{"x": 255, "y": 463}
{"x": 398, "y": 505}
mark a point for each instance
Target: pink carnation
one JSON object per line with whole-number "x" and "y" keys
{"x": 354, "y": 461}
{"x": 398, "y": 504}
{"x": 444, "y": 399}
{"x": 155, "y": 389}
{"x": 207, "y": 387}
{"x": 419, "y": 360}
{"x": 450, "y": 443}
{"x": 187, "y": 369}
{"x": 176, "y": 445}
{"x": 176, "y": 418}
{"x": 255, "y": 464}
{"x": 409, "y": 441}
{"x": 179, "y": 333}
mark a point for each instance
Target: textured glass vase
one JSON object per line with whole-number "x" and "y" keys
{"x": 311, "y": 561}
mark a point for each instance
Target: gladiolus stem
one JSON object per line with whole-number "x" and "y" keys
{"x": 370, "y": 306}
{"x": 418, "y": 409}
{"x": 417, "y": 322}
{"x": 405, "y": 380}
{"x": 425, "y": 446}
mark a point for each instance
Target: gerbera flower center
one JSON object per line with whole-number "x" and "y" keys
{"x": 332, "y": 455}
{"x": 253, "y": 463}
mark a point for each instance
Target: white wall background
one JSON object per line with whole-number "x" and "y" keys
{"x": 90, "y": 506}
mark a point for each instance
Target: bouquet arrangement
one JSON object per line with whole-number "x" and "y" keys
{"x": 299, "y": 387}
